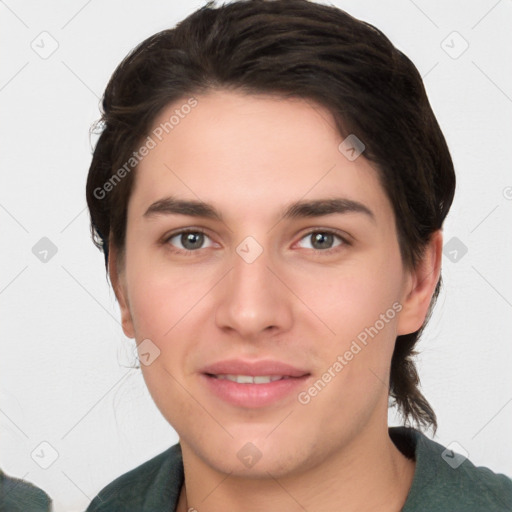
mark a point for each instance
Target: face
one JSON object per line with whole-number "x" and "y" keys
{"x": 255, "y": 247}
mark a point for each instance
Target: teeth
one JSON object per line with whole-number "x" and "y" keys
{"x": 248, "y": 379}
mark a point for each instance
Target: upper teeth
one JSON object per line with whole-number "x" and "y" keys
{"x": 249, "y": 379}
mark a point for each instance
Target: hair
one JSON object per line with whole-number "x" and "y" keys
{"x": 291, "y": 49}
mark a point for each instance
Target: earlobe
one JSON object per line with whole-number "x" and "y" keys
{"x": 116, "y": 278}
{"x": 420, "y": 287}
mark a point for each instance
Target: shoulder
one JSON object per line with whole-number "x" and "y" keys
{"x": 154, "y": 485}
{"x": 447, "y": 480}
{"x": 17, "y": 495}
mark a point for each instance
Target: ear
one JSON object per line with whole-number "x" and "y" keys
{"x": 420, "y": 286}
{"x": 117, "y": 278}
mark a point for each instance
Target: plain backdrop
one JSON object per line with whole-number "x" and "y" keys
{"x": 65, "y": 363}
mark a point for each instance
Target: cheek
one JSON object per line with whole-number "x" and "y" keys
{"x": 354, "y": 297}
{"x": 168, "y": 307}
{"x": 161, "y": 299}
{"x": 165, "y": 309}
{"x": 360, "y": 306}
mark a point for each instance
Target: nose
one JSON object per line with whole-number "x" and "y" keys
{"x": 252, "y": 299}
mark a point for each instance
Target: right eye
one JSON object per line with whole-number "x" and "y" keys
{"x": 188, "y": 240}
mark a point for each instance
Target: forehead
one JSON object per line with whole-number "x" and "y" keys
{"x": 251, "y": 153}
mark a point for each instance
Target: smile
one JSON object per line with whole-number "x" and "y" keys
{"x": 249, "y": 379}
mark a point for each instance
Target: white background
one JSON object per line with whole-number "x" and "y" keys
{"x": 65, "y": 375}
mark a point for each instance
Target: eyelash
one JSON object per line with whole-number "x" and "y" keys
{"x": 187, "y": 252}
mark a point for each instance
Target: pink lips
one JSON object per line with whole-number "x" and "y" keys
{"x": 240, "y": 367}
{"x": 251, "y": 395}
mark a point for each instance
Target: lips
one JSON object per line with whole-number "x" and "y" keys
{"x": 248, "y": 379}
{"x": 266, "y": 368}
{"x": 245, "y": 384}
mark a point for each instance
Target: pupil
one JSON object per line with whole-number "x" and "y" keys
{"x": 192, "y": 240}
{"x": 321, "y": 240}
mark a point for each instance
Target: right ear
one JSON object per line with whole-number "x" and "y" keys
{"x": 117, "y": 279}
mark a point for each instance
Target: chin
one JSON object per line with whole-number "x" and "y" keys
{"x": 254, "y": 454}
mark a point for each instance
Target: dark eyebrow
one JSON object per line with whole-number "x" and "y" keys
{"x": 313, "y": 208}
{"x": 320, "y": 207}
{"x": 171, "y": 205}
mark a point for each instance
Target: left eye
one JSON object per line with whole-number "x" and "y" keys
{"x": 189, "y": 240}
{"x": 323, "y": 240}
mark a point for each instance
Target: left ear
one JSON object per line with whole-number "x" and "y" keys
{"x": 420, "y": 286}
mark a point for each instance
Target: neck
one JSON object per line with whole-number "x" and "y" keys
{"x": 370, "y": 474}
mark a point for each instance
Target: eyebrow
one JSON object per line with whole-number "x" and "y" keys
{"x": 320, "y": 207}
{"x": 299, "y": 209}
{"x": 172, "y": 205}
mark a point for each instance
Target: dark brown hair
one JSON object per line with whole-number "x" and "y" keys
{"x": 300, "y": 49}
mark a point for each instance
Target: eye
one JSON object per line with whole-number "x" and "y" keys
{"x": 189, "y": 240}
{"x": 323, "y": 240}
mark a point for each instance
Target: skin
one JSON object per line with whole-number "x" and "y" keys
{"x": 249, "y": 157}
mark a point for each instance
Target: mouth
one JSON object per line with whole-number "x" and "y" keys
{"x": 249, "y": 379}
{"x": 253, "y": 384}
{"x": 230, "y": 368}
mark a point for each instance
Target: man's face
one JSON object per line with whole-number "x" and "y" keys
{"x": 257, "y": 286}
